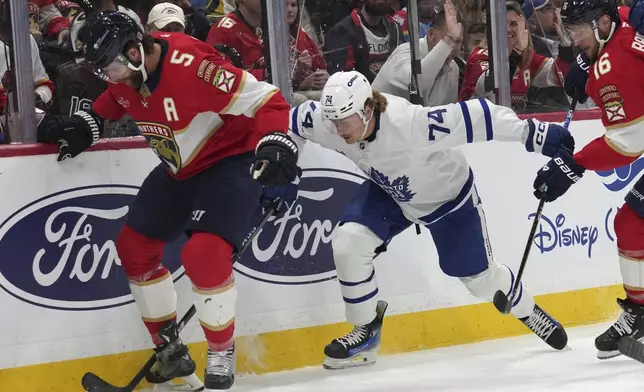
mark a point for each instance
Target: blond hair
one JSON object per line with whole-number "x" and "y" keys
{"x": 378, "y": 102}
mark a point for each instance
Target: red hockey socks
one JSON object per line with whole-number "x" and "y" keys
{"x": 207, "y": 259}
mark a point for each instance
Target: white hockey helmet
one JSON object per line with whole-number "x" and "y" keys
{"x": 344, "y": 94}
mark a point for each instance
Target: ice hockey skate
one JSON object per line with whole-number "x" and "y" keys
{"x": 220, "y": 369}
{"x": 630, "y": 323}
{"x": 547, "y": 328}
{"x": 174, "y": 369}
{"x": 359, "y": 347}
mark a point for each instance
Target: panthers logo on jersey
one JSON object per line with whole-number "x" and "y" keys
{"x": 161, "y": 138}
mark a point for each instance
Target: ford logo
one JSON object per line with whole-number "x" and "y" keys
{"x": 58, "y": 252}
{"x": 296, "y": 247}
{"x": 619, "y": 178}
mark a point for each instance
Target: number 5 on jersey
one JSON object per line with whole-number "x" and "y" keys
{"x": 181, "y": 58}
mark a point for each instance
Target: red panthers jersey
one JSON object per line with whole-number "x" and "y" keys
{"x": 196, "y": 108}
{"x": 45, "y": 18}
{"x": 233, "y": 30}
{"x": 615, "y": 84}
{"x": 541, "y": 72}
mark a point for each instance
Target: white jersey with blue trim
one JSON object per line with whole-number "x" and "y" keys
{"x": 412, "y": 156}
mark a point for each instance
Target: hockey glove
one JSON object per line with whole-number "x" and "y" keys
{"x": 275, "y": 160}
{"x": 636, "y": 16}
{"x": 557, "y": 175}
{"x": 548, "y": 139}
{"x": 279, "y": 197}
{"x": 75, "y": 133}
{"x": 576, "y": 78}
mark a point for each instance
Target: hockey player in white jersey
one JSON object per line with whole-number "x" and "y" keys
{"x": 416, "y": 177}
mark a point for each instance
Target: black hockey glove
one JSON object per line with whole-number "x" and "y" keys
{"x": 275, "y": 160}
{"x": 576, "y": 78}
{"x": 75, "y": 133}
{"x": 548, "y": 139}
{"x": 557, "y": 175}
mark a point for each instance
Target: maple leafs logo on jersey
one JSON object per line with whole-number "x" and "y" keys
{"x": 398, "y": 188}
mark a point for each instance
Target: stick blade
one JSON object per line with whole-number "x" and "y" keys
{"x": 632, "y": 348}
{"x": 93, "y": 383}
{"x": 502, "y": 303}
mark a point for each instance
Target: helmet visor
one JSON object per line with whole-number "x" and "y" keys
{"x": 579, "y": 32}
{"x": 115, "y": 71}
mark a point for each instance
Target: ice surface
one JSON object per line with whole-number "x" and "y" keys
{"x": 507, "y": 365}
{"x": 516, "y": 364}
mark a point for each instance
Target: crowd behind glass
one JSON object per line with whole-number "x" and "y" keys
{"x": 326, "y": 36}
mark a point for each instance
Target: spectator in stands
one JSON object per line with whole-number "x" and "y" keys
{"x": 166, "y": 17}
{"x": 544, "y": 21}
{"x": 427, "y": 10}
{"x": 542, "y": 18}
{"x": 241, "y": 31}
{"x": 309, "y": 71}
{"x": 438, "y": 82}
{"x": 196, "y": 22}
{"x": 527, "y": 68}
{"x": 475, "y": 37}
{"x": 46, "y": 21}
{"x": 331, "y": 12}
{"x": 363, "y": 40}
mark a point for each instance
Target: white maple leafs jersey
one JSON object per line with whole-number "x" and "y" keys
{"x": 412, "y": 157}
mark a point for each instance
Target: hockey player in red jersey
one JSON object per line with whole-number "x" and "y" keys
{"x": 239, "y": 30}
{"x": 46, "y": 20}
{"x": 209, "y": 123}
{"x": 616, "y": 55}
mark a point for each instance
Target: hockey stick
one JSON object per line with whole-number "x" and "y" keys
{"x": 632, "y": 348}
{"x": 502, "y": 302}
{"x": 93, "y": 383}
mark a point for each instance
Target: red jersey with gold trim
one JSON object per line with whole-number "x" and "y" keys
{"x": 233, "y": 30}
{"x": 45, "y": 18}
{"x": 615, "y": 84}
{"x": 540, "y": 72}
{"x": 197, "y": 108}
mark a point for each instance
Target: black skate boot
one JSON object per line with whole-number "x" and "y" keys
{"x": 359, "y": 347}
{"x": 630, "y": 323}
{"x": 174, "y": 369}
{"x": 547, "y": 328}
{"x": 220, "y": 369}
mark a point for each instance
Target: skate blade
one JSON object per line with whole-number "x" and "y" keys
{"x": 358, "y": 360}
{"x": 603, "y": 355}
{"x": 181, "y": 384}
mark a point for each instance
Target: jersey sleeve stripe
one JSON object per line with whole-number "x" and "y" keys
{"x": 489, "y": 130}
{"x": 468, "y": 122}
{"x": 620, "y": 150}
{"x": 294, "y": 121}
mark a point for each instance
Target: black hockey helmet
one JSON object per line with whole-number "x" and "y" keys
{"x": 575, "y": 12}
{"x": 106, "y": 36}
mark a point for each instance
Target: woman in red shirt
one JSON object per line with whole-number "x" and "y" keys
{"x": 527, "y": 68}
{"x": 309, "y": 71}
